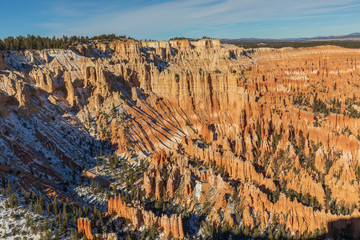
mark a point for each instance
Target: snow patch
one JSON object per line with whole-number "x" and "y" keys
{"x": 198, "y": 188}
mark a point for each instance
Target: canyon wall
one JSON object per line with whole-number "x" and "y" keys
{"x": 279, "y": 128}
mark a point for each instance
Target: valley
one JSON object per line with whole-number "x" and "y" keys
{"x": 128, "y": 139}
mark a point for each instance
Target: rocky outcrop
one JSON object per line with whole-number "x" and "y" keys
{"x": 172, "y": 225}
{"x": 84, "y": 227}
{"x": 153, "y": 184}
{"x": 106, "y": 236}
{"x": 138, "y": 217}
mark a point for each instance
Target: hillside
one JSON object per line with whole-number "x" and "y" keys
{"x": 179, "y": 139}
{"x": 346, "y": 41}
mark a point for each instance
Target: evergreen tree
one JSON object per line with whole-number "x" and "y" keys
{"x": 31, "y": 42}
{"x": 152, "y": 232}
{"x": 55, "y": 207}
{"x": 47, "y": 235}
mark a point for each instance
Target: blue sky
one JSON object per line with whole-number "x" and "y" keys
{"x": 163, "y": 19}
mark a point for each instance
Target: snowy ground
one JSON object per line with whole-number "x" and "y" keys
{"x": 87, "y": 195}
{"x": 13, "y": 220}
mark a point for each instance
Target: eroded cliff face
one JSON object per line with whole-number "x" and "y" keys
{"x": 237, "y": 139}
{"x": 171, "y": 226}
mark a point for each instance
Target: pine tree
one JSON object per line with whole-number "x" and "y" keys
{"x": 80, "y": 213}
{"x": 257, "y": 233}
{"x": 26, "y": 198}
{"x": 52, "y": 226}
{"x": 47, "y": 235}
{"x": 39, "y": 209}
{"x": 55, "y": 207}
{"x": 113, "y": 111}
{"x": 7, "y": 205}
{"x": 152, "y": 232}
{"x": 13, "y": 201}
{"x": 114, "y": 190}
{"x": 246, "y": 231}
{"x": 46, "y": 223}
{"x": 27, "y": 220}
{"x": 8, "y": 188}
{"x": 65, "y": 208}
{"x": 56, "y": 234}
{"x": 48, "y": 209}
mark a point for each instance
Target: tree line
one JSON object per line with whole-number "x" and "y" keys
{"x": 31, "y": 42}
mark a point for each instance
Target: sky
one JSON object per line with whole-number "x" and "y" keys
{"x": 163, "y": 19}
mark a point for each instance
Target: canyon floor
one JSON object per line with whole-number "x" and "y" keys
{"x": 179, "y": 140}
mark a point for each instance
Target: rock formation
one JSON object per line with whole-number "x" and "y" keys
{"x": 84, "y": 227}
{"x": 246, "y": 137}
{"x": 138, "y": 216}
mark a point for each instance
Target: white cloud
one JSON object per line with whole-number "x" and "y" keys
{"x": 189, "y": 16}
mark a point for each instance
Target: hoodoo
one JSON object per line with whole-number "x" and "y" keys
{"x": 183, "y": 139}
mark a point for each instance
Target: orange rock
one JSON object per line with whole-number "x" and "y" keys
{"x": 138, "y": 217}
{"x": 84, "y": 227}
{"x": 216, "y": 108}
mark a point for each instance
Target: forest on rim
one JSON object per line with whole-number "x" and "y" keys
{"x": 39, "y": 43}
